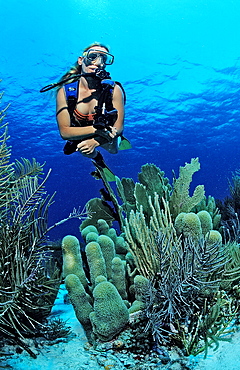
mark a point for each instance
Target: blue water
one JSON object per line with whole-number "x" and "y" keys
{"x": 178, "y": 61}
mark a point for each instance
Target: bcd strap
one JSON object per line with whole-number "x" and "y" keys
{"x": 71, "y": 92}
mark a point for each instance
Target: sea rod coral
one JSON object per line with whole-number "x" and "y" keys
{"x": 29, "y": 277}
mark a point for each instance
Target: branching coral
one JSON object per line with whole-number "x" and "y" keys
{"x": 26, "y": 291}
{"x": 234, "y": 188}
{"x": 54, "y": 329}
{"x": 141, "y": 236}
{"x": 230, "y": 209}
{"x": 214, "y": 324}
{"x": 183, "y": 305}
{"x": 29, "y": 278}
{"x": 173, "y": 239}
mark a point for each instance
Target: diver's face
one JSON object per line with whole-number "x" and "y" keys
{"x": 89, "y": 65}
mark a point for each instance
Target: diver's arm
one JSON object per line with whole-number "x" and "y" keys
{"x": 118, "y": 103}
{"x": 64, "y": 124}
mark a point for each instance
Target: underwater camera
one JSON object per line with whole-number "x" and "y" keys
{"x": 105, "y": 120}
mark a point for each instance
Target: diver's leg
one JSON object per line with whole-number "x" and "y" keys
{"x": 97, "y": 157}
{"x": 111, "y": 147}
{"x": 100, "y": 164}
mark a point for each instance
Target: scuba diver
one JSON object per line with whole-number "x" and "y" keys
{"x": 90, "y": 108}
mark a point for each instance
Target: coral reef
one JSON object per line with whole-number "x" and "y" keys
{"x": 179, "y": 272}
{"x": 196, "y": 226}
{"x": 103, "y": 211}
{"x": 213, "y": 237}
{"x": 108, "y": 250}
{"x": 78, "y": 294}
{"x": 189, "y": 225}
{"x": 29, "y": 278}
{"x": 118, "y": 276}
{"x": 29, "y": 281}
{"x": 180, "y": 200}
{"x": 230, "y": 210}
{"x": 210, "y": 205}
{"x": 72, "y": 259}
{"x": 104, "y": 306}
{"x": 96, "y": 261}
{"x": 110, "y": 315}
{"x": 53, "y": 329}
{"x": 104, "y": 313}
{"x": 206, "y": 221}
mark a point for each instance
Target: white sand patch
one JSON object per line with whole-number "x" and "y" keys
{"x": 71, "y": 355}
{"x": 226, "y": 357}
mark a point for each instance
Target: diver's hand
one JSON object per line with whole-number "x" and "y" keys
{"x": 107, "y": 134}
{"x": 114, "y": 132}
{"x": 87, "y": 146}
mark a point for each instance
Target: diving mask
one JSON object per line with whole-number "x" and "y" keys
{"x": 92, "y": 55}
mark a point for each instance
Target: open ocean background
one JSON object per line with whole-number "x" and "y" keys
{"x": 178, "y": 61}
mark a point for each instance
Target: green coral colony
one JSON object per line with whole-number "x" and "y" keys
{"x": 168, "y": 275}
{"x": 168, "y": 272}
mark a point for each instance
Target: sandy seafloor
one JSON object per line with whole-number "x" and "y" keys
{"x": 70, "y": 354}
